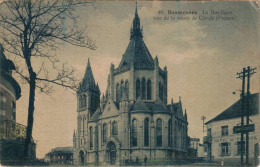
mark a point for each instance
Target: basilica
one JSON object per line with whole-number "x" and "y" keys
{"x": 132, "y": 121}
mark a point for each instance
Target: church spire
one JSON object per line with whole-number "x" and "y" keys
{"x": 88, "y": 80}
{"x": 88, "y": 74}
{"x": 136, "y": 31}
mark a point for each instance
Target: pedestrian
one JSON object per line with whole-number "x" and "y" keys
{"x": 145, "y": 160}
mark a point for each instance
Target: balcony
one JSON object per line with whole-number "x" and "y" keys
{"x": 207, "y": 139}
{"x": 11, "y": 130}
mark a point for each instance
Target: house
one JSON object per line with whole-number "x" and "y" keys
{"x": 60, "y": 155}
{"x": 224, "y": 145}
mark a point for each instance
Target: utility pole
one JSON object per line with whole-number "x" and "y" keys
{"x": 241, "y": 75}
{"x": 203, "y": 118}
{"x": 250, "y": 72}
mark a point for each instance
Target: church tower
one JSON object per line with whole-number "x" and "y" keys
{"x": 88, "y": 98}
{"x": 88, "y": 92}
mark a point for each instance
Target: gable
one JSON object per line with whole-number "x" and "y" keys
{"x": 110, "y": 109}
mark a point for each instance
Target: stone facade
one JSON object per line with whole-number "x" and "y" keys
{"x": 132, "y": 120}
{"x": 222, "y": 143}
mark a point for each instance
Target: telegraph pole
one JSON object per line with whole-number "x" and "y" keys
{"x": 203, "y": 118}
{"x": 250, "y": 72}
{"x": 241, "y": 75}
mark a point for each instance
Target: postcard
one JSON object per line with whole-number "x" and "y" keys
{"x": 129, "y": 83}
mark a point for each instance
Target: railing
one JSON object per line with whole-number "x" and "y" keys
{"x": 11, "y": 130}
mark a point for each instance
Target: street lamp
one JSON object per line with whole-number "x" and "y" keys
{"x": 234, "y": 92}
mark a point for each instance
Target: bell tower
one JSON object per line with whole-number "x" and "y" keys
{"x": 88, "y": 93}
{"x": 88, "y": 98}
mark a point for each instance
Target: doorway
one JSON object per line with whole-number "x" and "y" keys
{"x": 81, "y": 158}
{"x": 111, "y": 151}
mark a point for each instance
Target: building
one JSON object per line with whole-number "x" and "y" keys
{"x": 194, "y": 143}
{"x": 60, "y": 155}
{"x": 223, "y": 144}
{"x": 12, "y": 134}
{"x": 133, "y": 119}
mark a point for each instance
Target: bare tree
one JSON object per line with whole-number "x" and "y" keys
{"x": 32, "y": 30}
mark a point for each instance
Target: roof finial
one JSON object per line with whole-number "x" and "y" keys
{"x": 135, "y": 6}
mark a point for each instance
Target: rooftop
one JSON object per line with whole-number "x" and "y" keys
{"x": 234, "y": 111}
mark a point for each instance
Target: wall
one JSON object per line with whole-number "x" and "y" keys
{"x": 232, "y": 139}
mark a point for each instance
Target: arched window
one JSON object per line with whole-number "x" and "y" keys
{"x": 84, "y": 100}
{"x": 121, "y": 89}
{"x": 96, "y": 137}
{"x": 143, "y": 89}
{"x": 118, "y": 93}
{"x": 159, "y": 132}
{"x": 134, "y": 132}
{"x": 83, "y": 126}
{"x": 104, "y": 132}
{"x": 14, "y": 112}
{"x": 138, "y": 88}
{"x": 160, "y": 90}
{"x": 80, "y": 101}
{"x": 91, "y": 138}
{"x": 146, "y": 132}
{"x": 149, "y": 90}
{"x": 114, "y": 128}
{"x": 169, "y": 133}
{"x": 127, "y": 89}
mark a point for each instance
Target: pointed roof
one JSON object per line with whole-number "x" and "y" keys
{"x": 185, "y": 114}
{"x": 88, "y": 73}
{"x": 234, "y": 111}
{"x": 136, "y": 30}
{"x": 159, "y": 106}
{"x": 88, "y": 80}
{"x": 96, "y": 115}
{"x": 137, "y": 52}
{"x": 140, "y": 105}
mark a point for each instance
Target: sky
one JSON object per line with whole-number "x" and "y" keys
{"x": 202, "y": 58}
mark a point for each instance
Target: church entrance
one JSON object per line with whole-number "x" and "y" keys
{"x": 81, "y": 158}
{"x": 111, "y": 152}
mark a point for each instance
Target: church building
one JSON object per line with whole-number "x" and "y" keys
{"x": 132, "y": 120}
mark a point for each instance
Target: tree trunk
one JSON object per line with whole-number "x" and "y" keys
{"x": 30, "y": 116}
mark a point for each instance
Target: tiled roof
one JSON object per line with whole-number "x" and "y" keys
{"x": 234, "y": 111}
{"x": 159, "y": 106}
{"x": 96, "y": 115}
{"x": 58, "y": 150}
{"x": 140, "y": 105}
{"x": 136, "y": 52}
{"x": 88, "y": 80}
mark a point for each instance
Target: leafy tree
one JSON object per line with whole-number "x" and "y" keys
{"x": 32, "y": 30}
